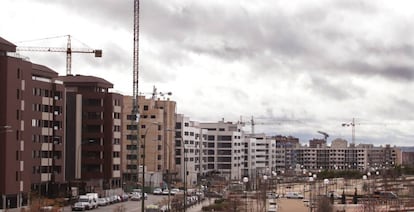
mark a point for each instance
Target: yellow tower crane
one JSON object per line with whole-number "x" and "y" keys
{"x": 69, "y": 50}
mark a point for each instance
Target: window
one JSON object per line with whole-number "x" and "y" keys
{"x": 132, "y": 127}
{"x": 145, "y": 107}
{"x": 115, "y": 154}
{"x": 117, "y": 128}
{"x": 131, "y": 157}
{"x": 117, "y": 141}
{"x": 131, "y": 147}
{"x": 132, "y": 137}
{"x": 115, "y": 167}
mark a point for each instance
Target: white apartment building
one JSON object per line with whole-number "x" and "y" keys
{"x": 189, "y": 145}
{"x": 224, "y": 149}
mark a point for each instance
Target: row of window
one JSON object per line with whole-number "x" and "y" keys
{"x": 57, "y": 95}
{"x": 47, "y": 154}
{"x": 57, "y": 110}
{"x": 56, "y": 125}
{"x": 46, "y": 169}
{"x": 46, "y": 139}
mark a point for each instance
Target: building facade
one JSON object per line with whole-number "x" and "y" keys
{"x": 224, "y": 149}
{"x": 93, "y": 133}
{"x": 153, "y": 135}
{"x": 31, "y": 128}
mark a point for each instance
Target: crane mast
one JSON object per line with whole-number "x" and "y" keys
{"x": 135, "y": 72}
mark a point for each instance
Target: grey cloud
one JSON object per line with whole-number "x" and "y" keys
{"x": 323, "y": 86}
{"x": 398, "y": 72}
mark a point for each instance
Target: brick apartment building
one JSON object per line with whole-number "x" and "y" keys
{"x": 94, "y": 132}
{"x": 32, "y": 124}
{"x": 156, "y": 128}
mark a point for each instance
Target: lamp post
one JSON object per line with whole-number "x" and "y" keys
{"x": 143, "y": 166}
{"x": 264, "y": 191}
{"x": 185, "y": 176}
{"x": 326, "y": 182}
{"x": 311, "y": 179}
{"x": 245, "y": 181}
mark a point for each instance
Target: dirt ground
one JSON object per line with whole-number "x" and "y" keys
{"x": 288, "y": 205}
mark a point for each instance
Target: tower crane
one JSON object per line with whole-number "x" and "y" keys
{"x": 324, "y": 134}
{"x": 154, "y": 93}
{"x": 351, "y": 124}
{"x": 253, "y": 123}
{"x": 68, "y": 50}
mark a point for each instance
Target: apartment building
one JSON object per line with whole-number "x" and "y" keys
{"x": 156, "y": 128}
{"x": 93, "y": 133}
{"x": 31, "y": 128}
{"x": 224, "y": 148}
{"x": 190, "y": 150}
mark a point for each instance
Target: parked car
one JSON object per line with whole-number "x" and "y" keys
{"x": 174, "y": 191}
{"x": 385, "y": 195}
{"x": 165, "y": 191}
{"x": 136, "y": 197}
{"x": 334, "y": 194}
{"x": 102, "y": 202}
{"x": 157, "y": 191}
{"x": 79, "y": 206}
{"x": 294, "y": 195}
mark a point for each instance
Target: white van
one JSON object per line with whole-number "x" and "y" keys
{"x": 89, "y": 202}
{"x": 294, "y": 195}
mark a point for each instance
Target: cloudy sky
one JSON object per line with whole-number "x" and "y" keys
{"x": 296, "y": 66}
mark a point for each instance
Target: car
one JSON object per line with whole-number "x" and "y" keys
{"x": 165, "y": 191}
{"x": 157, "y": 191}
{"x": 174, "y": 191}
{"x": 272, "y": 195}
{"x": 102, "y": 202}
{"x": 294, "y": 195}
{"x": 124, "y": 197}
{"x": 334, "y": 194}
{"x": 79, "y": 206}
{"x": 136, "y": 197}
{"x": 385, "y": 195}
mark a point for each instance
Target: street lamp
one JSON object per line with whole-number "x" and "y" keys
{"x": 311, "y": 179}
{"x": 245, "y": 181}
{"x": 143, "y": 165}
{"x": 265, "y": 190}
{"x": 326, "y": 182}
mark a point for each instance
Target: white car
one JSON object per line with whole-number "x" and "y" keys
{"x": 294, "y": 195}
{"x": 165, "y": 191}
{"x": 102, "y": 202}
{"x": 157, "y": 191}
{"x": 136, "y": 197}
{"x": 174, "y": 191}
